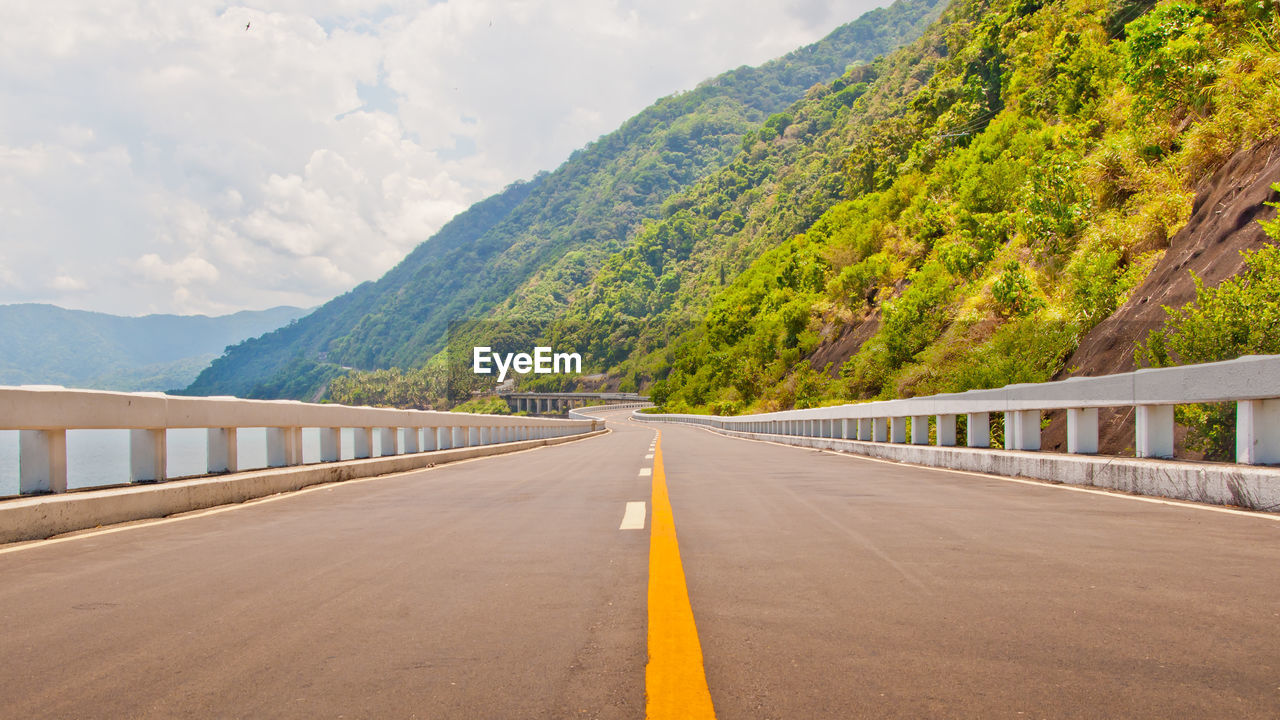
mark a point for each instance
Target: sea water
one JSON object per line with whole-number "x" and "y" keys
{"x": 101, "y": 457}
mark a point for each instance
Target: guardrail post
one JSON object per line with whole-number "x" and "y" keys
{"x": 880, "y": 429}
{"x": 444, "y": 438}
{"x": 284, "y": 446}
{"x": 898, "y": 429}
{"x": 223, "y": 454}
{"x": 1082, "y": 431}
{"x": 330, "y": 444}
{"x": 865, "y": 432}
{"x": 42, "y": 461}
{"x": 473, "y": 436}
{"x": 977, "y": 430}
{"x": 1258, "y": 432}
{"x": 147, "y": 459}
{"x": 389, "y": 441}
{"x": 429, "y": 438}
{"x": 946, "y": 430}
{"x": 411, "y": 439}
{"x": 1022, "y": 430}
{"x": 919, "y": 429}
{"x": 363, "y": 445}
{"x": 1154, "y": 428}
{"x": 459, "y": 437}
{"x": 848, "y": 429}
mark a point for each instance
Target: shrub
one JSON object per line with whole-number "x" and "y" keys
{"x": 1013, "y": 291}
{"x": 1169, "y": 58}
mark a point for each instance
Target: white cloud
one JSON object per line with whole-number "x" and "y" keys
{"x": 165, "y": 159}
{"x": 66, "y": 283}
{"x": 186, "y": 271}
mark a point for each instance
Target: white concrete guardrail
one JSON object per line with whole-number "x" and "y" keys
{"x": 584, "y": 413}
{"x": 42, "y": 415}
{"x": 880, "y": 429}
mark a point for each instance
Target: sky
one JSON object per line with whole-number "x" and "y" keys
{"x": 198, "y": 157}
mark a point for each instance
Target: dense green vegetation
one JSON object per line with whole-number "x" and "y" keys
{"x": 488, "y": 405}
{"x": 1030, "y": 183}
{"x": 543, "y": 240}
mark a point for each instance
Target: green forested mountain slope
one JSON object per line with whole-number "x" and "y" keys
{"x": 565, "y": 222}
{"x": 49, "y": 345}
{"x": 992, "y": 217}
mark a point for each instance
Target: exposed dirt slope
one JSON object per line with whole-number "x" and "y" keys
{"x": 1224, "y": 221}
{"x": 837, "y": 346}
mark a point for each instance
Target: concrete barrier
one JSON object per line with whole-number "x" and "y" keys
{"x": 38, "y": 517}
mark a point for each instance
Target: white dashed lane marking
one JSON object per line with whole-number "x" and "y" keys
{"x": 646, "y": 472}
{"x": 633, "y": 517}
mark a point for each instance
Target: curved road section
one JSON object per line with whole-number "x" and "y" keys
{"x": 521, "y": 586}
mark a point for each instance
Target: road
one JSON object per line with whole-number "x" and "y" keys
{"x": 822, "y": 585}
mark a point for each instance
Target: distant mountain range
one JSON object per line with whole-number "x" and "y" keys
{"x": 49, "y": 345}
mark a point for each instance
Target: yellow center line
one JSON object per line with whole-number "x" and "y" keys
{"x": 675, "y": 682}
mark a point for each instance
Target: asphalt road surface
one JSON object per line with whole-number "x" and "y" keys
{"x": 822, "y": 585}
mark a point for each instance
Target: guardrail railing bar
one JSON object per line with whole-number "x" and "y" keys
{"x": 43, "y": 415}
{"x": 1251, "y": 382}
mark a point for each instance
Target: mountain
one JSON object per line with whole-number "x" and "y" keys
{"x": 1067, "y": 190}
{"x": 49, "y": 345}
{"x": 568, "y": 222}
{"x": 1030, "y": 190}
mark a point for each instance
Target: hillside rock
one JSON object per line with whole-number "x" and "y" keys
{"x": 1224, "y": 222}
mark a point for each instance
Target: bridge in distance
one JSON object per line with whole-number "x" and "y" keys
{"x": 822, "y": 585}
{"x": 537, "y": 403}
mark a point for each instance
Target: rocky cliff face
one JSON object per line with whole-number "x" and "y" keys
{"x": 1224, "y": 222}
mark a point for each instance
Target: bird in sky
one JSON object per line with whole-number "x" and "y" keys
{"x": 246, "y": 27}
